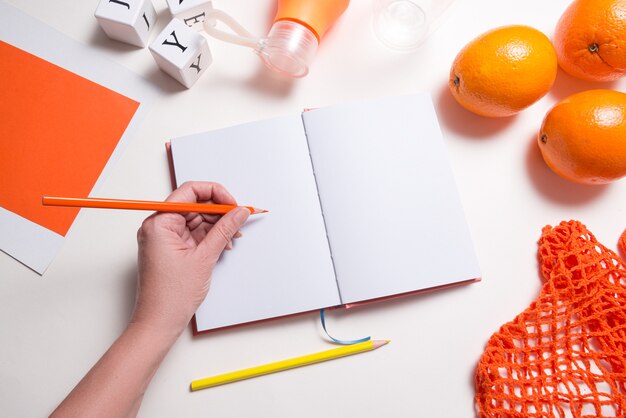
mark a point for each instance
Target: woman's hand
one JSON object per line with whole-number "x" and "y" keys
{"x": 177, "y": 254}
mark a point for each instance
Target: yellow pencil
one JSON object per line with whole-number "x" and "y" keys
{"x": 279, "y": 366}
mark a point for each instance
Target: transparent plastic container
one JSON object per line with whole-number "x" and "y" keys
{"x": 298, "y": 27}
{"x": 292, "y": 42}
{"x": 289, "y": 48}
{"x": 403, "y": 25}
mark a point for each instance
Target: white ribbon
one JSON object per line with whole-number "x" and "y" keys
{"x": 240, "y": 35}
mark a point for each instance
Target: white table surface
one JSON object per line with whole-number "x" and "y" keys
{"x": 55, "y": 327}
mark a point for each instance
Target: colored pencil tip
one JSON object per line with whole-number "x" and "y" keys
{"x": 379, "y": 343}
{"x": 257, "y": 210}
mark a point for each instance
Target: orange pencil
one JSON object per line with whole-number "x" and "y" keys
{"x": 93, "y": 202}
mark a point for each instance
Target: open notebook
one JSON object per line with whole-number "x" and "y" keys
{"x": 362, "y": 205}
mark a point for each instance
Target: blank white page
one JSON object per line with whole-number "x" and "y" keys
{"x": 393, "y": 216}
{"x": 281, "y": 265}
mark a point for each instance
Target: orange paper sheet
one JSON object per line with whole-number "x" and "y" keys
{"x": 57, "y": 132}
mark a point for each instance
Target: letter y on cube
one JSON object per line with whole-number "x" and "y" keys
{"x": 181, "y": 52}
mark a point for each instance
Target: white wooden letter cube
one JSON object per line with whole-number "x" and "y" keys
{"x": 181, "y": 52}
{"x": 128, "y": 21}
{"x": 192, "y": 12}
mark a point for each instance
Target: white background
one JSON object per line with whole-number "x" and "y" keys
{"x": 55, "y": 327}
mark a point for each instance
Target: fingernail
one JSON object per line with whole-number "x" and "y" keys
{"x": 229, "y": 246}
{"x": 241, "y": 214}
{"x": 238, "y": 234}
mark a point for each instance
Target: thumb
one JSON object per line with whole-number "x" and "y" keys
{"x": 223, "y": 231}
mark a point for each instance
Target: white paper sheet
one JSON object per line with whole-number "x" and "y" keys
{"x": 282, "y": 263}
{"x": 26, "y": 241}
{"x": 20, "y": 236}
{"x": 394, "y": 219}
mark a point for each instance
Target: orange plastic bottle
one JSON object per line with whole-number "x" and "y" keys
{"x": 294, "y": 37}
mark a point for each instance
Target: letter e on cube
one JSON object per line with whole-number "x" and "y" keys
{"x": 192, "y": 12}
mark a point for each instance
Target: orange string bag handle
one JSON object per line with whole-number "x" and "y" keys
{"x": 565, "y": 355}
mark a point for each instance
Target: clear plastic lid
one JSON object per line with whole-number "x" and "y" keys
{"x": 289, "y": 48}
{"x": 400, "y": 24}
{"x": 403, "y": 25}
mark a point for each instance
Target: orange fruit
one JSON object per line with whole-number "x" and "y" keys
{"x": 583, "y": 138}
{"x": 590, "y": 39}
{"x": 503, "y": 71}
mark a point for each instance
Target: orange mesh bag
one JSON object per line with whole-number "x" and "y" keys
{"x": 565, "y": 355}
